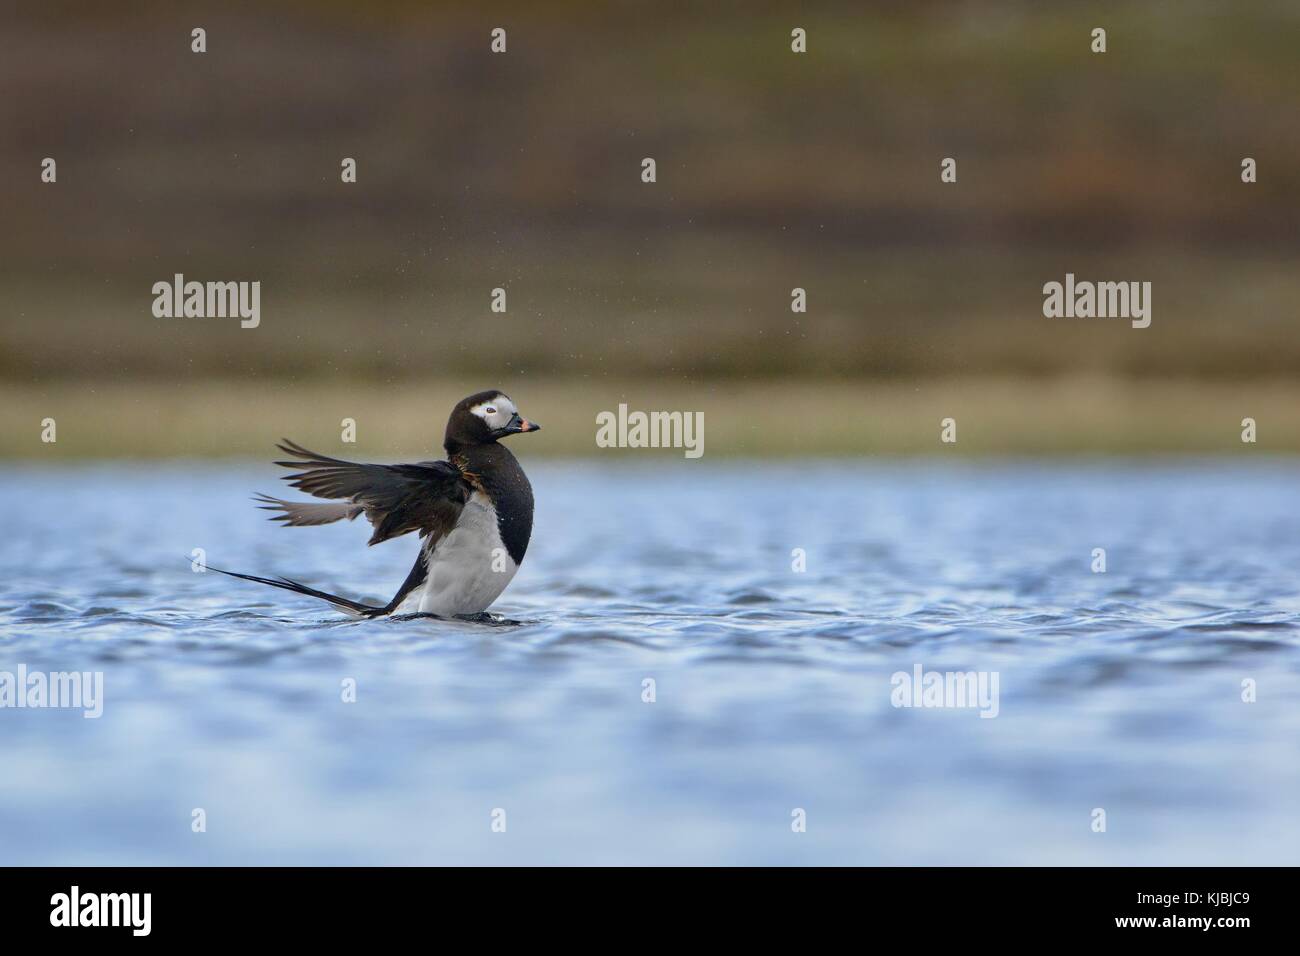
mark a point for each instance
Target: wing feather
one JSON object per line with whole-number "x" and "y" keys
{"x": 302, "y": 514}
{"x": 396, "y": 499}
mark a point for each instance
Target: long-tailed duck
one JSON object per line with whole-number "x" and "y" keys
{"x": 473, "y": 512}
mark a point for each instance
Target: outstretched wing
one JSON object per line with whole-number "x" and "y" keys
{"x": 303, "y": 514}
{"x": 426, "y": 497}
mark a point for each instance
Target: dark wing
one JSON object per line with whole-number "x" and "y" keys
{"x": 427, "y": 497}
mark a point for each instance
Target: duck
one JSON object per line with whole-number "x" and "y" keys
{"x": 473, "y": 512}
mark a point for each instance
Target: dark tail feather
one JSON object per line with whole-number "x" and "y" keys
{"x": 347, "y": 604}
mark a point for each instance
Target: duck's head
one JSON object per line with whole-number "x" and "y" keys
{"x": 483, "y": 418}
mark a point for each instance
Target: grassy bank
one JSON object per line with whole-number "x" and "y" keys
{"x": 994, "y": 417}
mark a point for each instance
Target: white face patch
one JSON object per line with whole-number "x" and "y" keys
{"x": 496, "y": 412}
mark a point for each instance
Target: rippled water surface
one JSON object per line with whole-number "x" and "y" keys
{"x": 1120, "y": 691}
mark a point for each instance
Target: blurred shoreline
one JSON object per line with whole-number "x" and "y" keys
{"x": 779, "y": 175}
{"x": 762, "y": 419}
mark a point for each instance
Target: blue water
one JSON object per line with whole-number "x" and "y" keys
{"x": 1120, "y": 691}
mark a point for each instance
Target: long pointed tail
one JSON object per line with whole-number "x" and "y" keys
{"x": 345, "y": 604}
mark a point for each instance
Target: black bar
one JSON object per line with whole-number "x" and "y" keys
{"x": 331, "y": 906}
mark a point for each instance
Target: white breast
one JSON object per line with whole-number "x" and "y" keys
{"x": 469, "y": 568}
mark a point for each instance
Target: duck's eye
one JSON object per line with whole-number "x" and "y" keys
{"x": 490, "y": 410}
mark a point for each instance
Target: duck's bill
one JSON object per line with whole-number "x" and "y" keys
{"x": 517, "y": 426}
